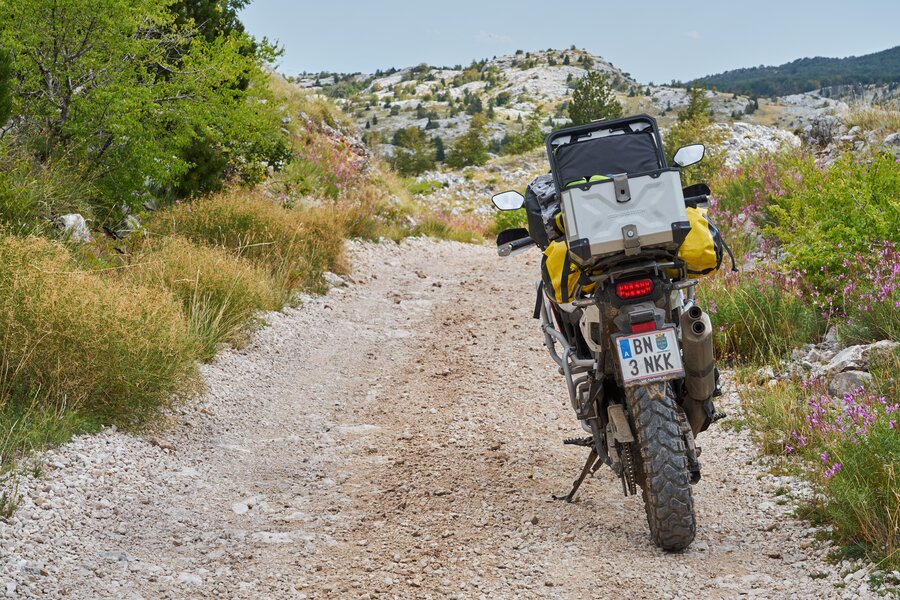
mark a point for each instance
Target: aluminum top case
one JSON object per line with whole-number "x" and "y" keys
{"x": 617, "y": 192}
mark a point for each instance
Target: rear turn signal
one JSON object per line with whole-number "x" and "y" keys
{"x": 634, "y": 289}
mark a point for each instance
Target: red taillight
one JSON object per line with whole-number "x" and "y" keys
{"x": 634, "y": 289}
{"x": 643, "y": 327}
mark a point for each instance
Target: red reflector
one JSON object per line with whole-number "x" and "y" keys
{"x": 643, "y": 327}
{"x": 634, "y": 289}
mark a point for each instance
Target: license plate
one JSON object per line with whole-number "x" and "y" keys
{"x": 653, "y": 355}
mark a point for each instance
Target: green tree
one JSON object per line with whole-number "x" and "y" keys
{"x": 470, "y": 149}
{"x": 698, "y": 108}
{"x": 529, "y": 138}
{"x": 440, "y": 153}
{"x": 128, "y": 96}
{"x": 593, "y": 99}
{"x": 414, "y": 153}
{"x": 694, "y": 126}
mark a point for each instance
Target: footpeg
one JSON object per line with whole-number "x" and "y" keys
{"x": 587, "y": 442}
{"x": 719, "y": 416}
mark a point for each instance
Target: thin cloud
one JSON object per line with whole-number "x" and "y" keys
{"x": 694, "y": 35}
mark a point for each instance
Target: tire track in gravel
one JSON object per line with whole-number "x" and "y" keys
{"x": 398, "y": 438}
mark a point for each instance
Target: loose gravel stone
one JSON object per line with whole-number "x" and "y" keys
{"x": 366, "y": 444}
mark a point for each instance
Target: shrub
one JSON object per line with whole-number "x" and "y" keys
{"x": 295, "y": 245}
{"x": 414, "y": 153}
{"x": 71, "y": 339}
{"x": 531, "y": 137}
{"x": 220, "y": 293}
{"x": 470, "y": 149}
{"x": 509, "y": 219}
{"x": 829, "y": 215}
{"x": 759, "y": 316}
{"x": 849, "y": 447}
{"x": 870, "y": 299}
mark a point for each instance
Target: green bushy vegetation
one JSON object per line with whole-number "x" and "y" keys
{"x": 509, "y": 219}
{"x": 759, "y": 317}
{"x": 695, "y": 126}
{"x": 470, "y": 149}
{"x": 139, "y": 100}
{"x": 531, "y": 136}
{"x": 825, "y": 253}
{"x": 823, "y": 217}
{"x": 414, "y": 152}
{"x": 850, "y": 447}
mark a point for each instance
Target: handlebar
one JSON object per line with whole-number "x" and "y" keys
{"x": 508, "y": 249}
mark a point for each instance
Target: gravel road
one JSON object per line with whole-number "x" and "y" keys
{"x": 400, "y": 437}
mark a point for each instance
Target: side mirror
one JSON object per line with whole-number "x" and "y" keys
{"x": 509, "y": 200}
{"x": 689, "y": 155}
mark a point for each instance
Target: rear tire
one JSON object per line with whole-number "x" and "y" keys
{"x": 664, "y": 476}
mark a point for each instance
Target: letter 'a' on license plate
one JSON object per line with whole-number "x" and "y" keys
{"x": 652, "y": 355}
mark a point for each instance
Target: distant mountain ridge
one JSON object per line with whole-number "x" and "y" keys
{"x": 807, "y": 74}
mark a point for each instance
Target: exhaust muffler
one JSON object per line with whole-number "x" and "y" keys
{"x": 699, "y": 365}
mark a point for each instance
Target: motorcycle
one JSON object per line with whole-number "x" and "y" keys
{"x": 629, "y": 338}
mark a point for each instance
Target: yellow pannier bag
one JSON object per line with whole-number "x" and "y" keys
{"x": 703, "y": 246}
{"x": 560, "y": 274}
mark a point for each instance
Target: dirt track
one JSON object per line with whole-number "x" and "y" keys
{"x": 397, "y": 438}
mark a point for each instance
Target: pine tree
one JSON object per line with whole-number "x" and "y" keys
{"x": 439, "y": 153}
{"x": 593, "y": 99}
{"x": 470, "y": 149}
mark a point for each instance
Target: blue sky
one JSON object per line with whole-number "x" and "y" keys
{"x": 653, "y": 40}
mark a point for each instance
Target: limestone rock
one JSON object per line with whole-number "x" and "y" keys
{"x": 75, "y": 227}
{"x": 848, "y": 381}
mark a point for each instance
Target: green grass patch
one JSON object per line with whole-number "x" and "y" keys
{"x": 423, "y": 188}
{"x": 758, "y": 317}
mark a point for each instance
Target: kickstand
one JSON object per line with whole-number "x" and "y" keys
{"x": 588, "y": 467}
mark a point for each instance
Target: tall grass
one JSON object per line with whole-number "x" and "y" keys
{"x": 295, "y": 245}
{"x": 759, "y": 317}
{"x": 221, "y": 293}
{"x": 875, "y": 119}
{"x": 76, "y": 341}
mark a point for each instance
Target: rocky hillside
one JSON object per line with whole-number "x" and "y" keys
{"x": 509, "y": 89}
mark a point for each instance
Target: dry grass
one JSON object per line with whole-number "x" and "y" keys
{"x": 295, "y": 245}
{"x": 221, "y": 294}
{"x": 875, "y": 119}
{"x": 77, "y": 340}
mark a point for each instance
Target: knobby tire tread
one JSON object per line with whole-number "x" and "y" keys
{"x": 664, "y": 477}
